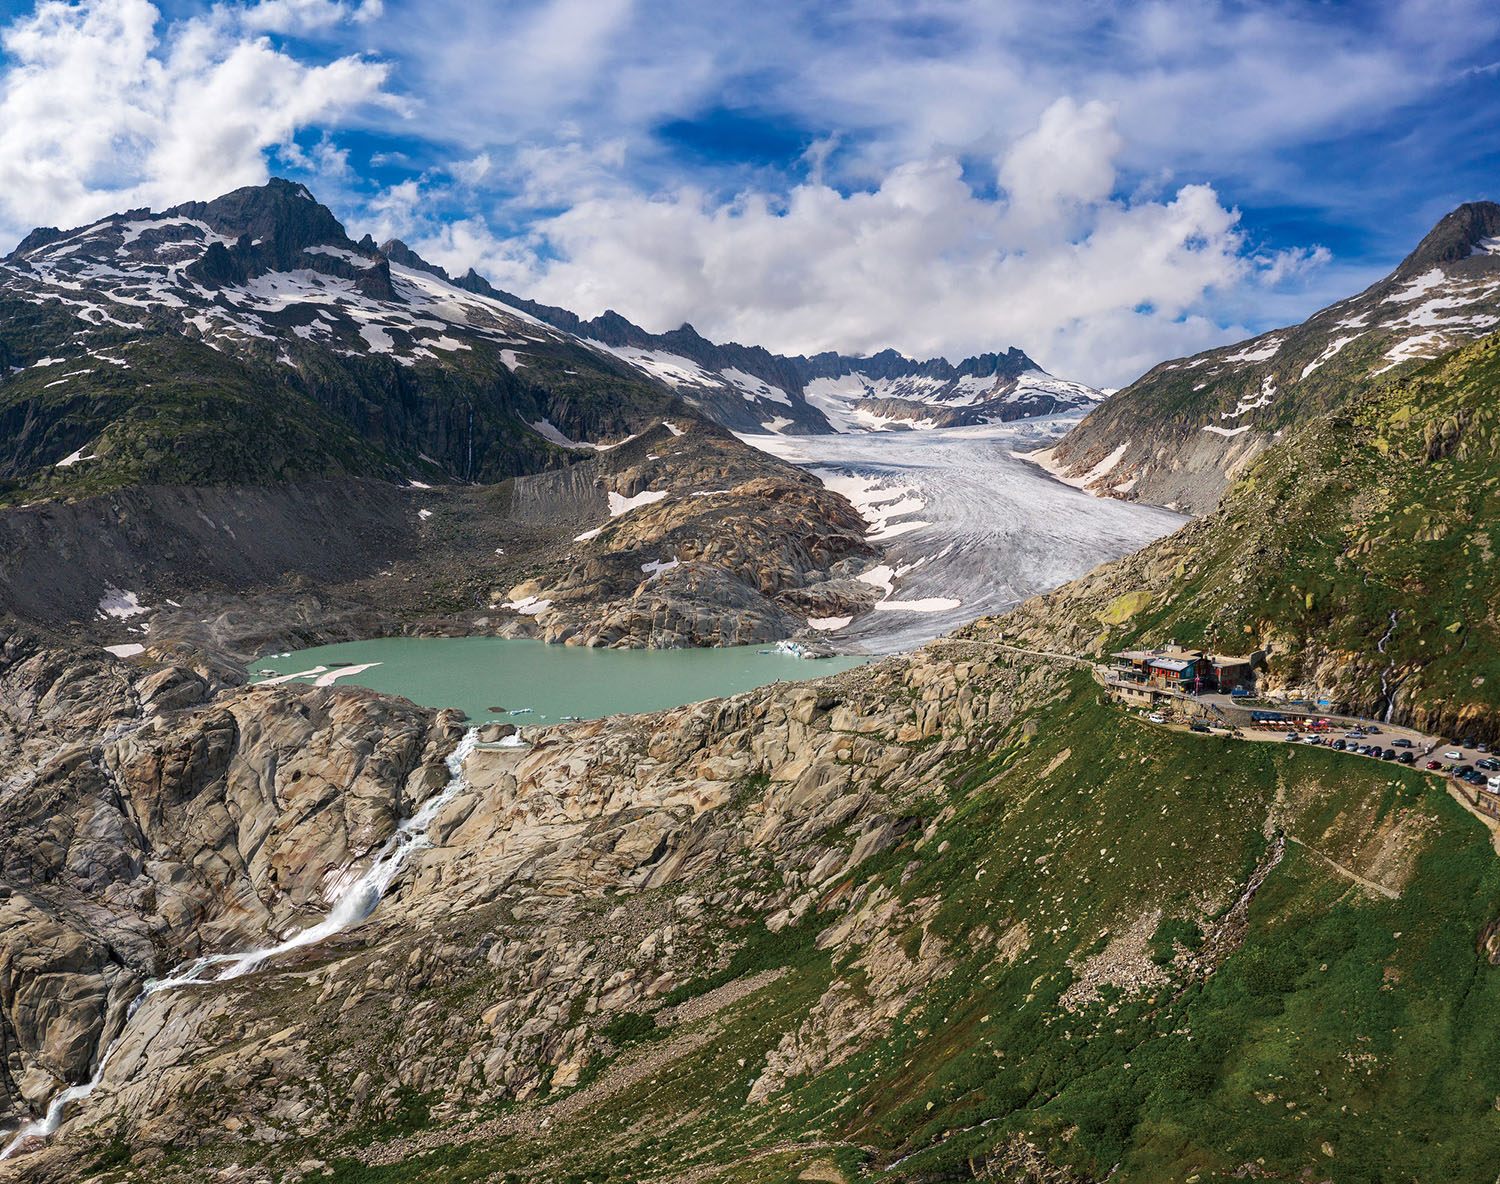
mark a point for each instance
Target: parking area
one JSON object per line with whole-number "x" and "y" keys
{"x": 1470, "y": 770}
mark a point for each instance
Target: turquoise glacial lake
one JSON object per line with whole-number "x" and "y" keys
{"x": 520, "y": 681}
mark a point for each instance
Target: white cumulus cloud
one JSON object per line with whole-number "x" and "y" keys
{"x": 102, "y": 108}
{"x": 1091, "y": 285}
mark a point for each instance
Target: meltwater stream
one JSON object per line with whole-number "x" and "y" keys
{"x": 352, "y": 899}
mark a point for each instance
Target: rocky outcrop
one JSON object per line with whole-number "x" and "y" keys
{"x": 573, "y": 881}
{"x": 145, "y": 825}
{"x": 691, "y": 544}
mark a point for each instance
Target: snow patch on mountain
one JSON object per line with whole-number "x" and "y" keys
{"x": 756, "y": 388}
{"x": 673, "y": 369}
{"x": 74, "y": 458}
{"x": 1435, "y": 277}
{"x": 120, "y": 604}
{"x": 620, "y": 504}
{"x": 1248, "y": 404}
{"x": 1334, "y": 346}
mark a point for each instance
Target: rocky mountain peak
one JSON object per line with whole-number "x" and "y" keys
{"x": 1473, "y": 229}
{"x": 280, "y": 212}
{"x": 42, "y": 236}
{"x": 280, "y": 226}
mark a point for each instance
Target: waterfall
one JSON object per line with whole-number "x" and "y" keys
{"x": 469, "y": 462}
{"x": 351, "y": 900}
{"x": 1387, "y": 706}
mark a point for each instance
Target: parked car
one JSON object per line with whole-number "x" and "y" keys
{"x": 1406, "y": 758}
{"x": 1239, "y": 693}
{"x": 1453, "y": 756}
{"x": 1482, "y": 747}
{"x": 1401, "y": 743}
{"x": 1372, "y": 729}
{"x": 1290, "y": 737}
{"x": 1467, "y": 742}
{"x": 1340, "y": 745}
{"x": 1198, "y": 726}
{"x": 1493, "y": 783}
{"x": 1489, "y": 763}
{"x": 1157, "y": 718}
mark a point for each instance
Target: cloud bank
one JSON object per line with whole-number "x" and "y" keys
{"x": 1053, "y": 262}
{"x": 101, "y": 111}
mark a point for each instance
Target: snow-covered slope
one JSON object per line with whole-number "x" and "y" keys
{"x": 733, "y": 397}
{"x": 1177, "y": 435}
{"x": 857, "y": 400}
{"x": 313, "y": 284}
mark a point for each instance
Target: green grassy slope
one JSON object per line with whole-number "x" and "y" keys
{"x": 1384, "y": 506}
{"x": 1326, "y": 1029}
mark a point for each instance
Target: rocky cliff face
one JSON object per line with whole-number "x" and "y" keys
{"x": 686, "y": 544}
{"x": 148, "y": 823}
{"x": 1180, "y": 433}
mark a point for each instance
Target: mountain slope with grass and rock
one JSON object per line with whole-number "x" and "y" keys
{"x": 948, "y": 917}
{"x": 1358, "y": 552}
{"x": 1180, "y": 433}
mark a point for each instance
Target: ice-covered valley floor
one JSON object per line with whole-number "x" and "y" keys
{"x": 969, "y": 528}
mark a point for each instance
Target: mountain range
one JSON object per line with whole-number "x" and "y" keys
{"x": 749, "y": 389}
{"x": 326, "y": 355}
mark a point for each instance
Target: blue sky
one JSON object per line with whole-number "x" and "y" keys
{"x": 1103, "y": 185}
